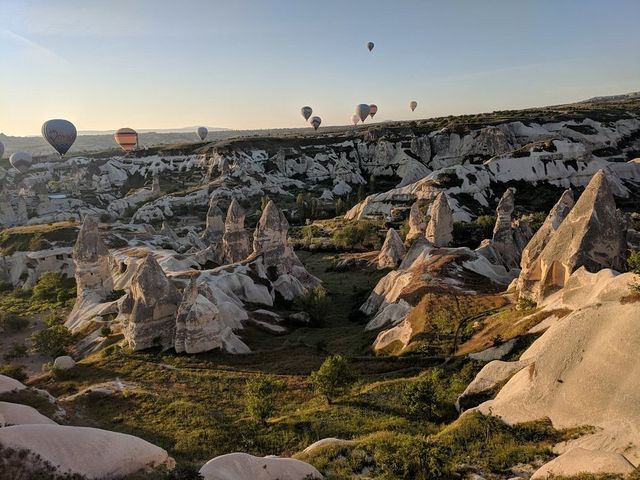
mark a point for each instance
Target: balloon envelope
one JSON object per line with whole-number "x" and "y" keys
{"x": 127, "y": 138}
{"x": 306, "y": 112}
{"x": 21, "y": 161}
{"x": 373, "y": 109}
{"x": 370, "y": 46}
{"x": 355, "y": 119}
{"x": 202, "y": 132}
{"x": 60, "y": 134}
{"x": 362, "y": 111}
{"x": 315, "y": 122}
{"x": 413, "y": 105}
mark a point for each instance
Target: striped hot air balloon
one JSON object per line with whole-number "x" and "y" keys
{"x": 306, "y": 112}
{"x": 127, "y": 138}
{"x": 315, "y": 122}
{"x": 373, "y": 109}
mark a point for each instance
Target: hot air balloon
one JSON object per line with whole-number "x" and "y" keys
{"x": 127, "y": 138}
{"x": 370, "y": 46}
{"x": 412, "y": 105}
{"x": 60, "y": 134}
{"x": 202, "y": 132}
{"x": 306, "y": 112}
{"x": 355, "y": 119}
{"x": 21, "y": 161}
{"x": 373, "y": 109}
{"x": 315, "y": 122}
{"x": 362, "y": 111}
{"x": 1, "y": 149}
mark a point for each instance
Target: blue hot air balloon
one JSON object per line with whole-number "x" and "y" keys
{"x": 60, "y": 134}
{"x": 202, "y": 132}
{"x": 362, "y": 111}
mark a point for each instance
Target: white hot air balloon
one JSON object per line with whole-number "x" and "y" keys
{"x": 60, "y": 134}
{"x": 355, "y": 119}
{"x": 412, "y": 105}
{"x": 306, "y": 112}
{"x": 21, "y": 161}
{"x": 370, "y": 46}
{"x": 315, "y": 122}
{"x": 363, "y": 111}
{"x": 1, "y": 149}
{"x": 202, "y": 132}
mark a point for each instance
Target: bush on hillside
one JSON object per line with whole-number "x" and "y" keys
{"x": 53, "y": 341}
{"x": 260, "y": 394}
{"x": 333, "y": 378}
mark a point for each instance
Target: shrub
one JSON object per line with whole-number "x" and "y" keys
{"x": 634, "y": 266}
{"x": 525, "y": 304}
{"x": 412, "y": 457}
{"x": 14, "y": 371}
{"x": 52, "y": 341}
{"x": 259, "y": 395}
{"x": 17, "y": 350}
{"x": 10, "y": 322}
{"x": 53, "y": 287}
{"x": 312, "y": 302}
{"x": 358, "y": 233}
{"x": 115, "y": 295}
{"x": 333, "y": 378}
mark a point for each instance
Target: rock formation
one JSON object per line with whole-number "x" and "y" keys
{"x": 503, "y": 242}
{"x": 93, "y": 262}
{"x": 392, "y": 251}
{"x": 235, "y": 466}
{"x": 148, "y": 311}
{"x": 235, "y": 239}
{"x": 440, "y": 227}
{"x": 591, "y": 235}
{"x": 417, "y": 222}
{"x": 214, "y": 227}
{"x": 580, "y": 461}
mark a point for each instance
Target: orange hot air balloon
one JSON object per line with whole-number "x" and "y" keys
{"x": 127, "y": 138}
{"x": 373, "y": 109}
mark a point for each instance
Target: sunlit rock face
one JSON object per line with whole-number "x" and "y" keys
{"x": 392, "y": 251}
{"x": 149, "y": 310}
{"x": 591, "y": 236}
{"x": 92, "y": 262}
{"x": 417, "y": 222}
{"x": 440, "y": 228}
{"x": 235, "y": 239}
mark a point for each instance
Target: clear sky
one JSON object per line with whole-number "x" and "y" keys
{"x": 253, "y": 64}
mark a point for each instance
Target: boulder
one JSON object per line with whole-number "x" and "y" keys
{"x": 8, "y": 384}
{"x": 148, "y": 311}
{"x": 440, "y": 228}
{"x": 327, "y": 442}
{"x": 16, "y": 414}
{"x": 581, "y": 461}
{"x": 591, "y": 236}
{"x": 241, "y": 466}
{"x": 392, "y": 251}
{"x": 64, "y": 362}
{"x": 417, "y": 222}
{"x": 235, "y": 240}
{"x": 90, "y": 452}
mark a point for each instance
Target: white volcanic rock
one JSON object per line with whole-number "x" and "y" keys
{"x": 16, "y": 414}
{"x": 64, "y": 362}
{"x": 214, "y": 231}
{"x": 582, "y": 461}
{"x": 591, "y": 235}
{"x": 417, "y": 222}
{"x": 326, "y": 442}
{"x": 440, "y": 228}
{"x": 90, "y": 452}
{"x": 389, "y": 315}
{"x": 503, "y": 242}
{"x": 238, "y": 466}
{"x": 149, "y": 309}
{"x": 235, "y": 238}
{"x": 200, "y": 325}
{"x": 583, "y": 368}
{"x": 540, "y": 239}
{"x": 392, "y": 251}
{"x": 8, "y": 384}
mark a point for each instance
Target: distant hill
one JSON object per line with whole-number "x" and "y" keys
{"x": 154, "y": 130}
{"x": 612, "y": 98}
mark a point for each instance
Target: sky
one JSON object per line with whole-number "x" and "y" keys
{"x": 247, "y": 64}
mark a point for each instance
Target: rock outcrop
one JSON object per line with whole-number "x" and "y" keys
{"x": 582, "y": 461}
{"x": 16, "y": 414}
{"x": 235, "y": 239}
{"x": 440, "y": 228}
{"x": 148, "y": 311}
{"x": 201, "y": 326}
{"x": 502, "y": 241}
{"x": 417, "y": 223}
{"x": 92, "y": 262}
{"x": 392, "y": 251}
{"x": 88, "y": 452}
{"x": 235, "y": 466}
{"x": 214, "y": 227}
{"x": 590, "y": 236}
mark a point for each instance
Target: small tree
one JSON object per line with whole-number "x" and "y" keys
{"x": 333, "y": 378}
{"x": 53, "y": 341}
{"x": 634, "y": 266}
{"x": 259, "y": 394}
{"x": 312, "y": 302}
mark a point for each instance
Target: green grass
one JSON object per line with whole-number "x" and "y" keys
{"x": 29, "y": 238}
{"x": 51, "y": 293}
